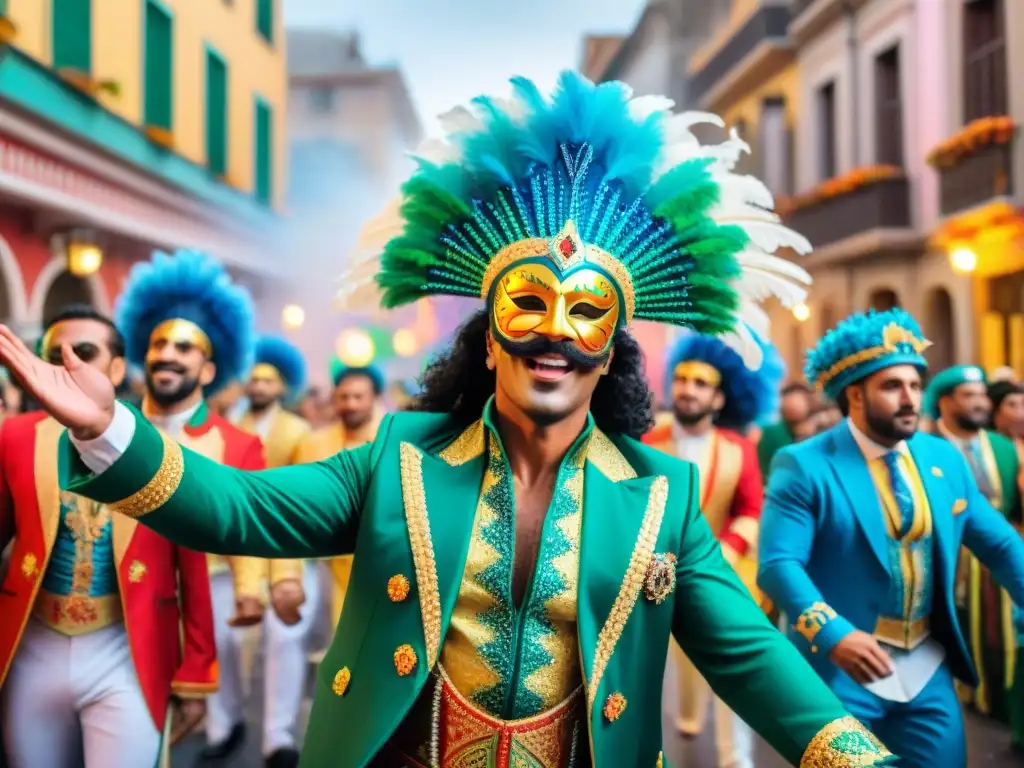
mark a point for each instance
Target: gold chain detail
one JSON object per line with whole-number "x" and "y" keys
{"x": 631, "y": 586}
{"x": 414, "y": 499}
{"x": 160, "y": 488}
{"x": 844, "y": 743}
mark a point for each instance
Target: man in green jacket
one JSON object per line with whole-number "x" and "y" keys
{"x": 520, "y": 558}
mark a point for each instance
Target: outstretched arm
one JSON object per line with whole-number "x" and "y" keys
{"x": 308, "y": 510}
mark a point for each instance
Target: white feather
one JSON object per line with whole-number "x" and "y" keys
{"x": 770, "y": 237}
{"x": 643, "y": 107}
{"x": 746, "y": 346}
{"x": 459, "y": 120}
{"x": 437, "y": 151}
{"x": 736, "y": 189}
{"x": 754, "y": 259}
{"x": 758, "y": 285}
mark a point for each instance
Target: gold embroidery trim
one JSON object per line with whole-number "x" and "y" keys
{"x": 892, "y": 335}
{"x": 813, "y": 620}
{"x": 466, "y": 447}
{"x": 631, "y": 586}
{"x": 160, "y": 488}
{"x": 414, "y": 499}
{"x": 844, "y": 743}
{"x": 608, "y": 459}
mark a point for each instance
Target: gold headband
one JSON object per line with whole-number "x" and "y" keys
{"x": 567, "y": 250}
{"x": 48, "y": 339}
{"x": 178, "y": 330}
{"x": 699, "y": 370}
{"x": 266, "y": 371}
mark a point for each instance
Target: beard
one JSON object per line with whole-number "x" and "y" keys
{"x": 355, "y": 419}
{"x": 690, "y": 417}
{"x": 885, "y": 426}
{"x": 167, "y": 397}
{"x": 971, "y": 422}
{"x": 260, "y": 403}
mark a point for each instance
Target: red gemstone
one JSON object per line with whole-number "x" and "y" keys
{"x": 567, "y": 247}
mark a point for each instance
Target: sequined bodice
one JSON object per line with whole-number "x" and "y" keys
{"x": 518, "y": 662}
{"x": 82, "y": 561}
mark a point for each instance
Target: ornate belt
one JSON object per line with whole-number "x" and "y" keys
{"x": 77, "y": 614}
{"x": 462, "y": 736}
{"x": 901, "y": 633}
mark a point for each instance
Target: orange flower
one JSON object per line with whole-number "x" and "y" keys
{"x": 838, "y": 186}
{"x": 983, "y": 132}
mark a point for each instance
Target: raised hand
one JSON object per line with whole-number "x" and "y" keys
{"x": 77, "y": 395}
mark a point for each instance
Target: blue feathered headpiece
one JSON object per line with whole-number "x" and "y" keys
{"x": 286, "y": 358}
{"x": 862, "y": 344}
{"x": 944, "y": 382}
{"x": 749, "y": 394}
{"x": 188, "y": 285}
{"x": 340, "y": 371}
{"x": 589, "y": 177}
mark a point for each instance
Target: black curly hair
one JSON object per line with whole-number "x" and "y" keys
{"x": 458, "y": 382}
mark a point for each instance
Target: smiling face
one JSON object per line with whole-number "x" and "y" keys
{"x": 177, "y": 362}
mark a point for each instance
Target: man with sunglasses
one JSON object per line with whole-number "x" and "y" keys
{"x": 93, "y": 605}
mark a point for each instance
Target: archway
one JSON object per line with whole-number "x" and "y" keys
{"x": 66, "y": 289}
{"x": 883, "y": 299}
{"x": 939, "y": 329}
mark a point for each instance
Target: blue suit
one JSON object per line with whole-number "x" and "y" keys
{"x": 823, "y": 555}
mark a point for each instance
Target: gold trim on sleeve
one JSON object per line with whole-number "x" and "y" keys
{"x": 160, "y": 488}
{"x": 414, "y": 499}
{"x": 844, "y": 743}
{"x": 813, "y": 620}
{"x": 632, "y": 584}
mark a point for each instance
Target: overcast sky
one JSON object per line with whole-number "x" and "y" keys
{"x": 452, "y": 50}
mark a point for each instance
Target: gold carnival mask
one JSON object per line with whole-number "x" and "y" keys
{"x": 180, "y": 332}
{"x": 697, "y": 370}
{"x": 532, "y": 300}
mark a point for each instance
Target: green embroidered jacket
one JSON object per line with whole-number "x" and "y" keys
{"x": 405, "y": 505}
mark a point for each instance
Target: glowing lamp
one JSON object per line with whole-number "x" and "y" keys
{"x": 404, "y": 342}
{"x": 292, "y": 317}
{"x": 84, "y": 258}
{"x": 963, "y": 260}
{"x": 355, "y": 348}
{"x": 801, "y": 312}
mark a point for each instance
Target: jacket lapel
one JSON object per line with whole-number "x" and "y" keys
{"x": 854, "y": 477}
{"x": 48, "y": 433}
{"x": 440, "y": 494}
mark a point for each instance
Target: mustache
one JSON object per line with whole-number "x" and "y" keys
{"x": 545, "y": 346}
{"x": 906, "y": 410}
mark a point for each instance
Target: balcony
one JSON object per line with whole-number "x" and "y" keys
{"x": 976, "y": 179}
{"x": 874, "y": 206}
{"x": 810, "y": 18}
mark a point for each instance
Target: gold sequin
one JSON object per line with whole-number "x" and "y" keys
{"x": 632, "y": 584}
{"x": 812, "y": 621}
{"x": 398, "y": 588}
{"x": 30, "y": 566}
{"x": 405, "y": 660}
{"x": 661, "y": 760}
{"x": 136, "y": 571}
{"x": 341, "y": 681}
{"x": 466, "y": 447}
{"x": 614, "y": 706}
{"x": 844, "y": 743}
{"x": 414, "y": 499}
{"x": 608, "y": 459}
{"x": 160, "y": 488}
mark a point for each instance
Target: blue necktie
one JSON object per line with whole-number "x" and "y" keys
{"x": 976, "y": 461}
{"x": 900, "y": 491}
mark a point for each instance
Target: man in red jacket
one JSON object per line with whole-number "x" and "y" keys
{"x": 102, "y": 622}
{"x": 715, "y": 398}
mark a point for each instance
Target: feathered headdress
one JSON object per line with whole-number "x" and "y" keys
{"x": 341, "y": 371}
{"x": 862, "y": 344}
{"x": 188, "y": 286}
{"x": 749, "y": 394}
{"x": 590, "y": 177}
{"x": 285, "y": 358}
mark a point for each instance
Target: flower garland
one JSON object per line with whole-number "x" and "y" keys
{"x": 983, "y": 132}
{"x": 838, "y": 186}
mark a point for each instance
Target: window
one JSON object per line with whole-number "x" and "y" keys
{"x": 888, "y": 108}
{"x": 72, "y": 35}
{"x": 158, "y": 57}
{"x": 264, "y": 155}
{"x": 985, "y": 91}
{"x": 265, "y": 19}
{"x": 775, "y": 150}
{"x": 216, "y": 113}
{"x": 827, "y": 131}
{"x": 321, "y": 99}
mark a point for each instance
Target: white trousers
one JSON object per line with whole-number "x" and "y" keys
{"x": 285, "y": 667}
{"x": 690, "y": 692}
{"x": 226, "y": 708}
{"x": 72, "y": 698}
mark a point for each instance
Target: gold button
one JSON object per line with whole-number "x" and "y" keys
{"x": 405, "y": 660}
{"x": 341, "y": 681}
{"x": 614, "y": 706}
{"x": 136, "y": 571}
{"x": 398, "y": 588}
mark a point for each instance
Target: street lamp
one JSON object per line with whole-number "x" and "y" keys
{"x": 84, "y": 256}
{"x": 355, "y": 348}
{"x": 292, "y": 317}
{"x": 963, "y": 259}
{"x": 404, "y": 342}
{"x": 801, "y": 312}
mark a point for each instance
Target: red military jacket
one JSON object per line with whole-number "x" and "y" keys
{"x": 165, "y": 589}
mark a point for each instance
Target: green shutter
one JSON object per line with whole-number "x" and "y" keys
{"x": 72, "y": 35}
{"x": 216, "y": 113}
{"x": 264, "y": 152}
{"x": 265, "y": 19}
{"x": 158, "y": 101}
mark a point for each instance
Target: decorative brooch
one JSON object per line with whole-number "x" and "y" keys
{"x": 660, "y": 581}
